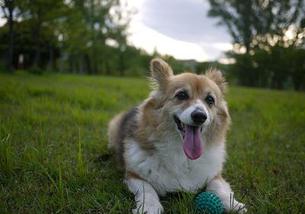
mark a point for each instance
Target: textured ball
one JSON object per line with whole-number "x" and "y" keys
{"x": 209, "y": 203}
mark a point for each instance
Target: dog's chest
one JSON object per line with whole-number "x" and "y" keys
{"x": 169, "y": 170}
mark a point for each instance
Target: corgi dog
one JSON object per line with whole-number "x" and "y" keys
{"x": 175, "y": 139}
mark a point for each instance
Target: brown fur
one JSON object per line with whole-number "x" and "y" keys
{"x": 148, "y": 124}
{"x": 218, "y": 78}
{"x": 130, "y": 174}
{"x": 154, "y": 123}
{"x": 113, "y": 131}
{"x": 160, "y": 73}
{"x": 121, "y": 128}
{"x": 200, "y": 86}
{"x": 151, "y": 117}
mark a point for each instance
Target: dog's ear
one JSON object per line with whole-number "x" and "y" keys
{"x": 218, "y": 78}
{"x": 160, "y": 72}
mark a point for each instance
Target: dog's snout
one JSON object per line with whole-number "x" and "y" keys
{"x": 198, "y": 116}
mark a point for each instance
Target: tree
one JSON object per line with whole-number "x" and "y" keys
{"x": 87, "y": 27}
{"x": 40, "y": 13}
{"x": 8, "y": 9}
{"x": 248, "y": 20}
{"x": 265, "y": 35}
{"x": 81, "y": 36}
{"x": 24, "y": 44}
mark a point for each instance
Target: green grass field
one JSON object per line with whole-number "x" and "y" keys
{"x": 53, "y": 156}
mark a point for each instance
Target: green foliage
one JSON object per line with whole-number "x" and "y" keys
{"x": 268, "y": 41}
{"x": 36, "y": 70}
{"x": 87, "y": 27}
{"x": 247, "y": 20}
{"x": 54, "y": 158}
{"x": 277, "y": 68}
{"x": 73, "y": 36}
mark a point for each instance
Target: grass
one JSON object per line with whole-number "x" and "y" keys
{"x": 53, "y": 156}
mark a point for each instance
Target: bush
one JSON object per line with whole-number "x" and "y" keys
{"x": 36, "y": 70}
{"x": 277, "y": 68}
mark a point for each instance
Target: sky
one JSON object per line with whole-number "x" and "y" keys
{"x": 179, "y": 28}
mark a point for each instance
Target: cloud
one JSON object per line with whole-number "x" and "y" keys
{"x": 178, "y": 27}
{"x": 151, "y": 40}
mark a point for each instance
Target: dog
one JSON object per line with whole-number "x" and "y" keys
{"x": 175, "y": 139}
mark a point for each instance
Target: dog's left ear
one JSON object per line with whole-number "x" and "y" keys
{"x": 160, "y": 72}
{"x": 218, "y": 78}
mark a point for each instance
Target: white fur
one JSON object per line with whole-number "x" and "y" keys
{"x": 169, "y": 170}
{"x": 185, "y": 116}
{"x": 147, "y": 200}
{"x": 224, "y": 192}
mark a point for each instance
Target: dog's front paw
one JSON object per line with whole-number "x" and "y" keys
{"x": 238, "y": 207}
{"x": 149, "y": 207}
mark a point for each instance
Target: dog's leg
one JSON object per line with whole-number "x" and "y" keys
{"x": 221, "y": 188}
{"x": 147, "y": 200}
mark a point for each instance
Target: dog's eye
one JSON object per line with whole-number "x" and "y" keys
{"x": 210, "y": 100}
{"x": 182, "y": 95}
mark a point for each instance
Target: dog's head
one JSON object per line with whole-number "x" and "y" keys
{"x": 194, "y": 103}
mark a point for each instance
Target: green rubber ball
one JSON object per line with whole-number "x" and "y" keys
{"x": 209, "y": 203}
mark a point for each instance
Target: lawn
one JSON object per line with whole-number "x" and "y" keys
{"x": 54, "y": 158}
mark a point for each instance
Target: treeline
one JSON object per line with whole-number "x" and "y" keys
{"x": 80, "y": 36}
{"x": 89, "y": 36}
{"x": 269, "y": 41}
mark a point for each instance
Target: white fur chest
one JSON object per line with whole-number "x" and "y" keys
{"x": 169, "y": 170}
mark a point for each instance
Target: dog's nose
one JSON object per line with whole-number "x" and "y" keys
{"x": 198, "y": 116}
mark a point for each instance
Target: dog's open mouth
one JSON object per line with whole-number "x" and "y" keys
{"x": 192, "y": 139}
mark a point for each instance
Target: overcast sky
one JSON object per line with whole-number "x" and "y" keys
{"x": 179, "y": 28}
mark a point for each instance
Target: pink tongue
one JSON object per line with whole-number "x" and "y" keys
{"x": 192, "y": 143}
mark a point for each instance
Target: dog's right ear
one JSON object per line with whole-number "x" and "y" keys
{"x": 218, "y": 78}
{"x": 160, "y": 72}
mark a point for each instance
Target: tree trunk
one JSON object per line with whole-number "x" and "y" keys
{"x": 37, "y": 51}
{"x": 36, "y": 38}
{"x": 51, "y": 64}
{"x": 121, "y": 64}
{"x": 88, "y": 65}
{"x": 10, "y": 57}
